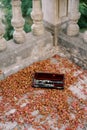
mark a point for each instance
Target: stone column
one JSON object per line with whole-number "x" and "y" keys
{"x": 17, "y": 22}
{"x": 73, "y": 28}
{"x": 37, "y": 16}
{"x": 2, "y": 40}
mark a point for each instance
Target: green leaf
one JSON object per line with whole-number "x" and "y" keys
{"x": 29, "y": 11}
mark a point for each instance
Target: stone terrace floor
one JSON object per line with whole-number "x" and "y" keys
{"x": 25, "y": 108}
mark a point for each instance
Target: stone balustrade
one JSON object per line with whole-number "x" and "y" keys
{"x": 18, "y": 22}
{"x": 3, "y": 44}
{"x": 54, "y": 14}
{"x": 57, "y": 13}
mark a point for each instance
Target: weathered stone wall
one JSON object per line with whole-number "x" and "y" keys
{"x": 74, "y": 48}
{"x": 18, "y": 56}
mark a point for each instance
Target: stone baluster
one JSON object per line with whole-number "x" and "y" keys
{"x": 73, "y": 28}
{"x": 85, "y": 36}
{"x": 17, "y": 22}
{"x": 3, "y": 45}
{"x": 37, "y": 16}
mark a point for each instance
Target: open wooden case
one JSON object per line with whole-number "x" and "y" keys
{"x": 48, "y": 80}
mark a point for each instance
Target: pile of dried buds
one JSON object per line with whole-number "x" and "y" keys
{"x": 61, "y": 106}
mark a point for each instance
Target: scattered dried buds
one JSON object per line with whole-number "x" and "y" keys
{"x": 17, "y": 93}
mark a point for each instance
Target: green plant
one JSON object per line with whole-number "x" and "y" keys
{"x": 26, "y": 14}
{"x": 26, "y": 7}
{"x": 83, "y": 10}
{"x": 7, "y": 21}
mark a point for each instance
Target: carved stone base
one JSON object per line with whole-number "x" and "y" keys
{"x": 19, "y": 36}
{"x": 85, "y": 36}
{"x": 3, "y": 45}
{"x": 37, "y": 29}
{"x": 72, "y": 29}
